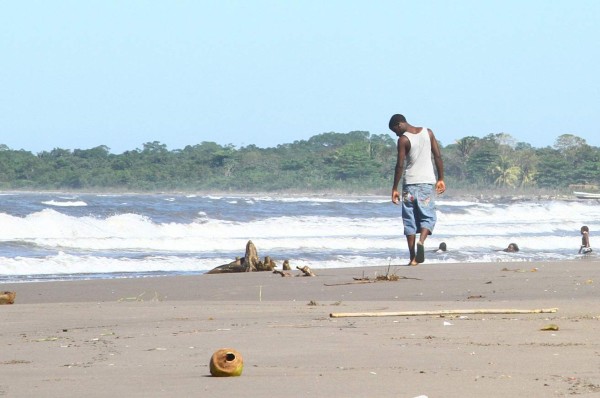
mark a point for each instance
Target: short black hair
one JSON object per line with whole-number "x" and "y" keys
{"x": 585, "y": 229}
{"x": 397, "y": 118}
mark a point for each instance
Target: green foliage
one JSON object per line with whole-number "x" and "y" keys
{"x": 352, "y": 162}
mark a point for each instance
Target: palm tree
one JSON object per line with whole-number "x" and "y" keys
{"x": 505, "y": 173}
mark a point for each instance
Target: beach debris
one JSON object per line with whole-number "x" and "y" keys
{"x": 446, "y": 323}
{"x": 534, "y": 269}
{"x": 312, "y": 302}
{"x": 286, "y": 265}
{"x": 443, "y": 312}
{"x": 15, "y": 362}
{"x": 283, "y": 274}
{"x": 156, "y": 297}
{"x": 7, "y": 297}
{"x": 226, "y": 362}
{"x": 550, "y": 327}
{"x": 249, "y": 263}
{"x": 134, "y": 298}
{"x": 478, "y": 296}
{"x": 378, "y": 278}
{"x": 357, "y": 282}
{"x": 267, "y": 265}
{"x": 393, "y": 278}
{"x": 251, "y": 257}
{"x": 51, "y": 338}
{"x": 306, "y": 271}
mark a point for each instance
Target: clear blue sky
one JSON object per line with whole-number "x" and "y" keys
{"x": 78, "y": 74}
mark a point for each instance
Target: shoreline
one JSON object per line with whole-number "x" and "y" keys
{"x": 472, "y": 195}
{"x": 16, "y": 280}
{"x": 104, "y": 337}
{"x": 245, "y": 285}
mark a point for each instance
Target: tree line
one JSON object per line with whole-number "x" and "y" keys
{"x": 348, "y": 162}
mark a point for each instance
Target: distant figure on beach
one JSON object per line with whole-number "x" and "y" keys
{"x": 442, "y": 248}
{"x": 416, "y": 146}
{"x": 585, "y": 240}
{"x": 512, "y": 248}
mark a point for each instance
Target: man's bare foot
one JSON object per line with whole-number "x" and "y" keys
{"x": 413, "y": 263}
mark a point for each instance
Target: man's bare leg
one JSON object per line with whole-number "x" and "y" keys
{"x": 424, "y": 234}
{"x": 420, "y": 257}
{"x": 410, "y": 240}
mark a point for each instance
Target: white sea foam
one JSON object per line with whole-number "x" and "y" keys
{"x": 49, "y": 228}
{"x": 68, "y": 203}
{"x": 62, "y": 263}
{"x": 131, "y": 242}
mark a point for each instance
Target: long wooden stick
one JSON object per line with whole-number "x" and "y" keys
{"x": 441, "y": 312}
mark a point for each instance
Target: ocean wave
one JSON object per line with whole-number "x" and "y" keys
{"x": 170, "y": 233}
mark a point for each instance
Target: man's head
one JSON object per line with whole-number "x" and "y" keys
{"x": 398, "y": 124}
{"x": 585, "y": 228}
{"x": 513, "y": 248}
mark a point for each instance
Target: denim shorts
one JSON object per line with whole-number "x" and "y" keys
{"x": 418, "y": 208}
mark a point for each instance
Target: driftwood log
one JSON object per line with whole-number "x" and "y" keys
{"x": 306, "y": 271}
{"x": 235, "y": 266}
{"x": 249, "y": 263}
{"x": 251, "y": 257}
{"x": 443, "y": 312}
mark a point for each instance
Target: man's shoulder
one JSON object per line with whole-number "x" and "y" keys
{"x": 419, "y": 130}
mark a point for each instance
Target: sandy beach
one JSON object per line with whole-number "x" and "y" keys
{"x": 151, "y": 337}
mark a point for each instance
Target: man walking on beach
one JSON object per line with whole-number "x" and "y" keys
{"x": 416, "y": 145}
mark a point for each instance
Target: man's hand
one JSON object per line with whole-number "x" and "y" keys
{"x": 395, "y": 196}
{"x": 440, "y": 187}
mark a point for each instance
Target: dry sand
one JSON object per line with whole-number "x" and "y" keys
{"x": 153, "y": 337}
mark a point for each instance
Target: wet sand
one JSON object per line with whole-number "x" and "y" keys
{"x": 153, "y": 337}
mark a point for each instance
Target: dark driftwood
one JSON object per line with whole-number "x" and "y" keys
{"x": 234, "y": 266}
{"x": 266, "y": 265}
{"x": 306, "y": 271}
{"x": 251, "y": 257}
{"x": 249, "y": 263}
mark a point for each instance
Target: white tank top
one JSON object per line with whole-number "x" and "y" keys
{"x": 419, "y": 167}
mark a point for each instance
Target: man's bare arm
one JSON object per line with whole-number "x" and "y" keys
{"x": 400, "y": 159}
{"x": 440, "y": 185}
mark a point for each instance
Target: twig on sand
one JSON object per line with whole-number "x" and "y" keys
{"x": 442, "y": 312}
{"x": 358, "y": 281}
